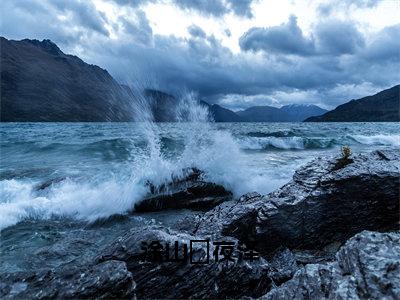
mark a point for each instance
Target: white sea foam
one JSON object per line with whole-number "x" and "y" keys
{"x": 285, "y": 143}
{"x": 214, "y": 152}
{"x": 379, "y": 139}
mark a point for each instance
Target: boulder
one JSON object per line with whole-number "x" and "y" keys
{"x": 366, "y": 267}
{"x": 187, "y": 190}
{"x": 319, "y": 207}
{"x": 181, "y": 280}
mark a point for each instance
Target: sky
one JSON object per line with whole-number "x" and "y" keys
{"x": 237, "y": 53}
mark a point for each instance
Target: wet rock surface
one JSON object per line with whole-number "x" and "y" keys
{"x": 320, "y": 206}
{"x": 300, "y": 231}
{"x": 180, "y": 280}
{"x": 185, "y": 191}
{"x": 106, "y": 280}
{"x": 366, "y": 267}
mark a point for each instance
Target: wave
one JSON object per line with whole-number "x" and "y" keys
{"x": 286, "y": 143}
{"x": 288, "y": 133}
{"x": 214, "y": 152}
{"x": 379, "y": 139}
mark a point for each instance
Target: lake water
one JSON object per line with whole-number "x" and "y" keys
{"x": 58, "y": 177}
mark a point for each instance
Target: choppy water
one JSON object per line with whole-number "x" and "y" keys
{"x": 99, "y": 169}
{"x": 58, "y": 178}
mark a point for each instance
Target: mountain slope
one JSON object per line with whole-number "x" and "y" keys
{"x": 287, "y": 113}
{"x": 300, "y": 112}
{"x": 41, "y": 83}
{"x": 263, "y": 114}
{"x": 221, "y": 114}
{"x": 381, "y": 107}
{"x": 162, "y": 105}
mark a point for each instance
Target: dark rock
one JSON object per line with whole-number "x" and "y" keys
{"x": 75, "y": 247}
{"x": 235, "y": 216}
{"x": 177, "y": 280}
{"x": 48, "y": 183}
{"x": 374, "y": 260}
{"x": 283, "y": 266}
{"x": 185, "y": 191}
{"x": 367, "y": 267}
{"x": 318, "y": 207}
{"x": 106, "y": 280}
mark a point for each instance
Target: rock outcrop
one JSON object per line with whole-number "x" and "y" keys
{"x": 318, "y": 207}
{"x": 185, "y": 191}
{"x": 105, "y": 280}
{"x": 182, "y": 279}
{"x": 366, "y": 267}
{"x": 300, "y": 232}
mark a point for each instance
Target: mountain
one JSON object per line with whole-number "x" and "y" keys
{"x": 287, "y": 113}
{"x": 381, "y": 107}
{"x": 263, "y": 114}
{"x": 300, "y": 112}
{"x": 41, "y": 83}
{"x": 221, "y": 114}
{"x": 162, "y": 105}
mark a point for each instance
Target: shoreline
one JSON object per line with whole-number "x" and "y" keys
{"x": 300, "y": 228}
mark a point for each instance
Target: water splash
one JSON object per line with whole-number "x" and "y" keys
{"x": 214, "y": 152}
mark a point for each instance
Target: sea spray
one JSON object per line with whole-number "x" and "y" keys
{"x": 94, "y": 170}
{"x": 213, "y": 151}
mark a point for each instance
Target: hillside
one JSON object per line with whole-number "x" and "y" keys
{"x": 41, "y": 83}
{"x": 300, "y": 112}
{"x": 381, "y": 107}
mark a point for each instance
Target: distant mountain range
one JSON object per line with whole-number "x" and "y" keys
{"x": 41, "y": 83}
{"x": 381, "y": 107}
{"x": 287, "y": 113}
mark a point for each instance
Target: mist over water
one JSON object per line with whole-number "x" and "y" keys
{"x": 95, "y": 170}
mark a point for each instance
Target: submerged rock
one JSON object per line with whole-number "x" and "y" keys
{"x": 105, "y": 280}
{"x": 366, "y": 267}
{"x": 320, "y": 206}
{"x": 185, "y": 191}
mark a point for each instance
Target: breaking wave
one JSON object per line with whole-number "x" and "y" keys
{"x": 100, "y": 195}
{"x": 286, "y": 143}
{"x": 379, "y": 139}
{"x": 92, "y": 171}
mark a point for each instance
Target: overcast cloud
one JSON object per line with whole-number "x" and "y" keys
{"x": 223, "y": 49}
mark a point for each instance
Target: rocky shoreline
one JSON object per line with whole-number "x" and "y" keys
{"x": 329, "y": 233}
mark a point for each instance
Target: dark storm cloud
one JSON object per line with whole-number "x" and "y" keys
{"x": 140, "y": 31}
{"x": 326, "y": 9}
{"x": 332, "y": 37}
{"x": 40, "y": 19}
{"x": 210, "y": 7}
{"x": 34, "y": 19}
{"x": 196, "y": 31}
{"x": 218, "y": 7}
{"x": 241, "y": 7}
{"x": 83, "y": 13}
{"x": 333, "y": 64}
{"x": 386, "y": 48}
{"x": 338, "y": 37}
{"x": 286, "y": 38}
{"x": 215, "y": 8}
